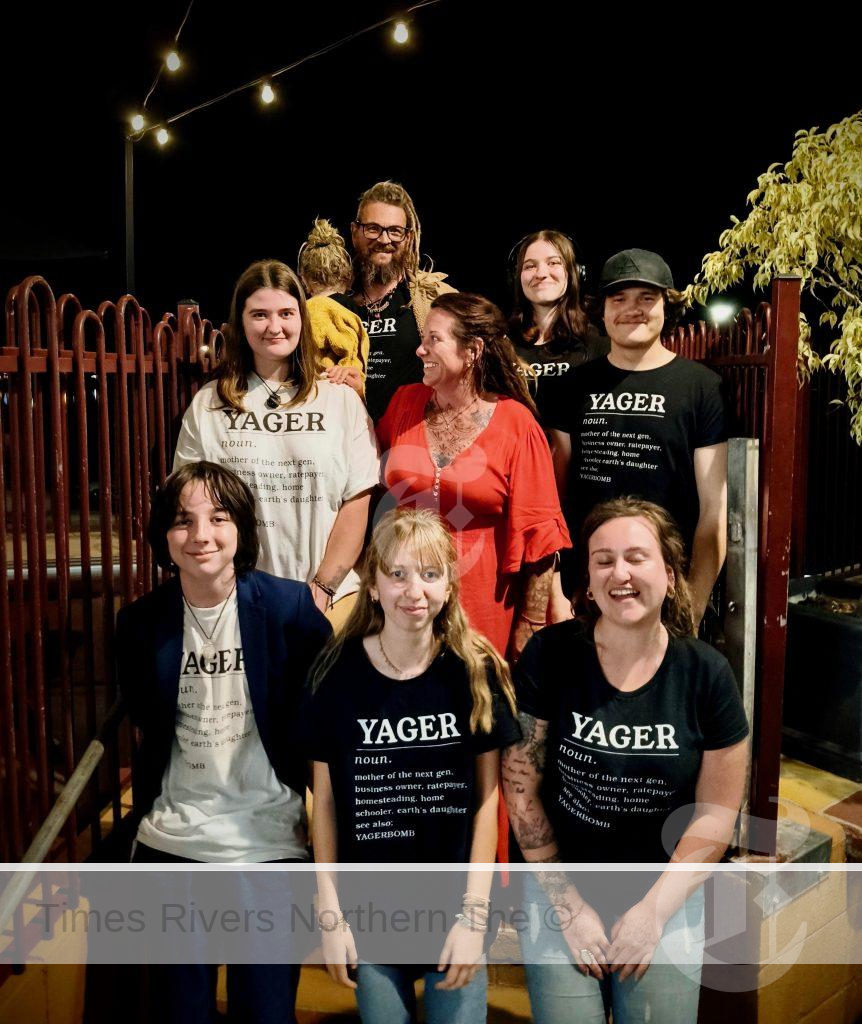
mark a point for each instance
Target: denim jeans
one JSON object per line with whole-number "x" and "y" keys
{"x": 386, "y": 996}
{"x": 184, "y": 993}
{"x": 560, "y": 994}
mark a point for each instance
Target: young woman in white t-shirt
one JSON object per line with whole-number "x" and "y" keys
{"x": 304, "y": 445}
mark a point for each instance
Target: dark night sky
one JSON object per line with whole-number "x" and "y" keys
{"x": 624, "y": 129}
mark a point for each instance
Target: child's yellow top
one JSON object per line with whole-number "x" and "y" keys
{"x": 338, "y": 333}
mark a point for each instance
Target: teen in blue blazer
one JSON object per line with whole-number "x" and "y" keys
{"x": 212, "y": 666}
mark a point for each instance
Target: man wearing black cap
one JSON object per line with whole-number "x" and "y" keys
{"x": 643, "y": 421}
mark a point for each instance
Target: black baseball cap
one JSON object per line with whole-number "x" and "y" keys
{"x": 637, "y": 266}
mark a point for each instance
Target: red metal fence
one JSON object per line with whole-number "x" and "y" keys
{"x": 756, "y": 357}
{"x": 89, "y": 406}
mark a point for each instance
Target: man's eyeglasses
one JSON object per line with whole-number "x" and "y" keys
{"x": 395, "y": 232}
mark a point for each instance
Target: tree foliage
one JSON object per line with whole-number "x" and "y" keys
{"x": 806, "y": 219}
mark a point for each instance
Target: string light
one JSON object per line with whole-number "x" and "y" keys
{"x": 400, "y": 35}
{"x": 138, "y": 123}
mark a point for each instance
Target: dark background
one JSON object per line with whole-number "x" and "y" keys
{"x": 621, "y": 126}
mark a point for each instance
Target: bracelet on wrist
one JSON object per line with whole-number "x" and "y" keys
{"x": 531, "y": 622}
{"x": 471, "y": 926}
{"x": 329, "y": 591}
{"x": 471, "y": 899}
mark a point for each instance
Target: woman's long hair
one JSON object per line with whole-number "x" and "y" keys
{"x": 676, "y": 614}
{"x": 496, "y": 365}
{"x": 422, "y": 532}
{"x": 238, "y": 362}
{"x": 570, "y": 320}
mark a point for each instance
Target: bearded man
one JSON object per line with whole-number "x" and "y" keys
{"x": 390, "y": 293}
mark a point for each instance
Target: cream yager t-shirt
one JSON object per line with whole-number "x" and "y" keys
{"x": 301, "y": 464}
{"x": 221, "y": 799}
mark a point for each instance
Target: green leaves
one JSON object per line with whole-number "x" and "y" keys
{"x": 805, "y": 218}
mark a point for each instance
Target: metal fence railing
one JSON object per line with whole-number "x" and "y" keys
{"x": 89, "y": 405}
{"x": 90, "y": 402}
{"x": 756, "y": 356}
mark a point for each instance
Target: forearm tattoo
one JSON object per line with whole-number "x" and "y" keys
{"x": 522, "y": 771}
{"x": 335, "y": 576}
{"x": 537, "y": 589}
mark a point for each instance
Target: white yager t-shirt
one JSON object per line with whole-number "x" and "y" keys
{"x": 301, "y": 463}
{"x": 221, "y": 799}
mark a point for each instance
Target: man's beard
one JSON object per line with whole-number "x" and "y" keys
{"x": 369, "y": 274}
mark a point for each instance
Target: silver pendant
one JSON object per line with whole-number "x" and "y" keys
{"x": 208, "y": 651}
{"x": 273, "y": 402}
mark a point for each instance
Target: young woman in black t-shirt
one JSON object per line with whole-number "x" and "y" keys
{"x": 551, "y": 332}
{"x": 408, "y": 685}
{"x": 634, "y": 750}
{"x": 549, "y": 326}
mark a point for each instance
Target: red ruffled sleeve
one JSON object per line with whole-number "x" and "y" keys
{"x": 535, "y": 526}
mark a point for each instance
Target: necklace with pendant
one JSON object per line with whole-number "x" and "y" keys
{"x": 451, "y": 445}
{"x": 274, "y": 400}
{"x": 380, "y": 305}
{"x": 208, "y": 650}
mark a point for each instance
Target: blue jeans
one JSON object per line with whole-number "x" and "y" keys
{"x": 385, "y": 996}
{"x": 560, "y": 994}
{"x": 185, "y": 993}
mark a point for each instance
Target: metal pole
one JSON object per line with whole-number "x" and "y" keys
{"x": 740, "y": 620}
{"x": 129, "y": 163}
{"x": 38, "y": 850}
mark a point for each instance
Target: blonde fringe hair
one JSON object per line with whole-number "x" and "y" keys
{"x": 323, "y": 259}
{"x": 424, "y": 534}
{"x": 238, "y": 362}
{"x": 676, "y": 614}
{"x": 393, "y": 194}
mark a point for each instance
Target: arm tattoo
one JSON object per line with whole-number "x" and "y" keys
{"x": 336, "y": 576}
{"x": 522, "y": 770}
{"x": 537, "y": 588}
{"x": 533, "y": 745}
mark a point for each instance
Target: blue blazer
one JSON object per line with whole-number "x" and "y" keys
{"x": 282, "y": 631}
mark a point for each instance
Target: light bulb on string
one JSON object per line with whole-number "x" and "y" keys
{"x": 162, "y": 136}
{"x": 138, "y": 123}
{"x": 400, "y": 33}
{"x": 267, "y": 93}
{"x": 172, "y": 61}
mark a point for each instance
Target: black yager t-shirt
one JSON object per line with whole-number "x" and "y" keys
{"x": 557, "y": 359}
{"x": 401, "y": 757}
{"x": 393, "y": 339}
{"x": 634, "y": 432}
{"x": 621, "y": 768}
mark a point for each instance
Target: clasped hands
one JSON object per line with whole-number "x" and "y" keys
{"x": 632, "y": 944}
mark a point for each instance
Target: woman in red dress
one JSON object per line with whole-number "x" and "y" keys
{"x": 465, "y": 442}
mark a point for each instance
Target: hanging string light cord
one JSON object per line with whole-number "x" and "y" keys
{"x": 162, "y": 63}
{"x": 274, "y": 74}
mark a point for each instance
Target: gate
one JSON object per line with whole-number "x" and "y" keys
{"x": 756, "y": 357}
